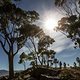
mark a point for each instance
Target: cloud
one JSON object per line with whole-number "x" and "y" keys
{"x": 61, "y": 42}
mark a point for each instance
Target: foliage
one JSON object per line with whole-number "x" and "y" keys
{"x": 23, "y": 58}
{"x": 70, "y": 24}
{"x": 38, "y": 45}
{"x": 16, "y": 25}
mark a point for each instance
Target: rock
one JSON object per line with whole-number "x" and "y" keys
{"x": 3, "y": 78}
{"x": 31, "y": 78}
{"x": 45, "y": 77}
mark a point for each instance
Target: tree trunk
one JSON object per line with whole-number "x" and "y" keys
{"x": 11, "y": 68}
{"x": 24, "y": 65}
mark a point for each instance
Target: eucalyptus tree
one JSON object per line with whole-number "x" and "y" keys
{"x": 45, "y": 55}
{"x": 70, "y": 23}
{"x": 40, "y": 51}
{"x": 23, "y": 58}
{"x": 16, "y": 25}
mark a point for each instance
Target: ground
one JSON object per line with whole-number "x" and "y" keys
{"x": 42, "y": 73}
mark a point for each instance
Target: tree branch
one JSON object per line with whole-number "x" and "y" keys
{"x": 66, "y": 11}
{"x": 33, "y": 44}
{"x": 4, "y": 48}
{"x": 16, "y": 52}
{"x": 76, "y": 7}
{"x": 69, "y": 9}
{"x": 2, "y": 36}
{"x": 28, "y": 48}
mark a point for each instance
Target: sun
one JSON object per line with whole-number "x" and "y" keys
{"x": 50, "y": 23}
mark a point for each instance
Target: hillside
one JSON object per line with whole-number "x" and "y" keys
{"x": 48, "y": 74}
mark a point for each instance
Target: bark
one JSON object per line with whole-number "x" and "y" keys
{"x": 11, "y": 68}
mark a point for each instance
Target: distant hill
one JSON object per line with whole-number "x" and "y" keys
{"x": 3, "y": 73}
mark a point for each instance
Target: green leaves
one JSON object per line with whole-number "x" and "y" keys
{"x": 72, "y": 18}
{"x": 25, "y": 57}
{"x": 71, "y": 26}
{"x": 33, "y": 15}
{"x": 46, "y": 41}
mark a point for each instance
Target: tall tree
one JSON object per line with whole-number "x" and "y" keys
{"x": 39, "y": 50}
{"x": 44, "y": 53}
{"x": 15, "y": 27}
{"x": 47, "y": 57}
{"x": 70, "y": 24}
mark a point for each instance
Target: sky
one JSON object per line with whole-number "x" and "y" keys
{"x": 63, "y": 46}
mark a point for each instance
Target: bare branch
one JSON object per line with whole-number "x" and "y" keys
{"x": 76, "y": 8}
{"x": 2, "y": 36}
{"x": 65, "y": 10}
{"x": 4, "y": 48}
{"x": 69, "y": 8}
{"x": 28, "y": 48}
{"x": 32, "y": 40}
{"x": 16, "y": 52}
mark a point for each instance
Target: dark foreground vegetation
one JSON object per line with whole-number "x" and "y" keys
{"x": 17, "y": 27}
{"x": 43, "y": 73}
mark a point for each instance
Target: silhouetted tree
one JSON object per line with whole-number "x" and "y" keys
{"x": 40, "y": 51}
{"x": 60, "y": 64}
{"x": 78, "y": 60}
{"x": 15, "y": 27}
{"x": 70, "y": 24}
{"x": 23, "y": 58}
{"x": 47, "y": 57}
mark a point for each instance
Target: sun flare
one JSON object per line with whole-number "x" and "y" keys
{"x": 50, "y": 23}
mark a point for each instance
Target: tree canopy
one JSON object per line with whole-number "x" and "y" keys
{"x": 16, "y": 25}
{"x": 70, "y": 24}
